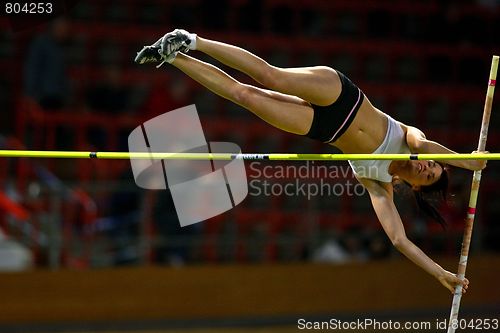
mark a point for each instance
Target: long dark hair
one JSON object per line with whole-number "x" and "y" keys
{"x": 436, "y": 192}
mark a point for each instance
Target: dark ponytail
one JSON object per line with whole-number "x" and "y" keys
{"x": 436, "y": 192}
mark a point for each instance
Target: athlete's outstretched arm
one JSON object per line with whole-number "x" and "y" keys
{"x": 418, "y": 143}
{"x": 383, "y": 204}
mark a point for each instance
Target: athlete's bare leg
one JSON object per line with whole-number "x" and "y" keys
{"x": 318, "y": 85}
{"x": 289, "y": 113}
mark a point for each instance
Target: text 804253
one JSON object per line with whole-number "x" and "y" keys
{"x": 27, "y": 7}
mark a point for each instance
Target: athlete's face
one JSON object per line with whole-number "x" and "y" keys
{"x": 423, "y": 173}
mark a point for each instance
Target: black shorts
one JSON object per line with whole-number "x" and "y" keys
{"x": 330, "y": 122}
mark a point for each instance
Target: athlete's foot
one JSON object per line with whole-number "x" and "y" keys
{"x": 152, "y": 54}
{"x": 178, "y": 40}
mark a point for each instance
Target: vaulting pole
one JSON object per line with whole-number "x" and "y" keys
{"x": 471, "y": 212}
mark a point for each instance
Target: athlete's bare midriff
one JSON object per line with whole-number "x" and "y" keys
{"x": 367, "y": 131}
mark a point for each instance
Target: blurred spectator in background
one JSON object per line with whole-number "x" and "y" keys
{"x": 45, "y": 76}
{"x": 379, "y": 246}
{"x": 330, "y": 252}
{"x": 110, "y": 95}
{"x": 176, "y": 243}
{"x": 120, "y": 223}
{"x": 46, "y": 80}
{"x": 353, "y": 241}
{"x": 14, "y": 256}
{"x": 353, "y": 245}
